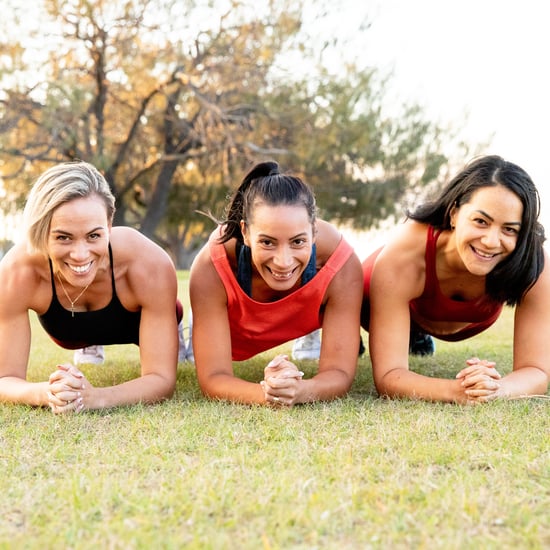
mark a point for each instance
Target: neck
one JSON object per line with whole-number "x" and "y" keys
{"x": 75, "y": 300}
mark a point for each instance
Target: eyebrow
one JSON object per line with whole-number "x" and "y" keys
{"x": 94, "y": 230}
{"x": 265, "y": 235}
{"x": 483, "y": 213}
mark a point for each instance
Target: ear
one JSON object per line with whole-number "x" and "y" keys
{"x": 244, "y": 232}
{"x": 452, "y": 216}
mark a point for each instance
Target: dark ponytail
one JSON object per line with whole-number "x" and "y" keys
{"x": 264, "y": 183}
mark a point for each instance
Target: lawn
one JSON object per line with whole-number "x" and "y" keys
{"x": 360, "y": 472}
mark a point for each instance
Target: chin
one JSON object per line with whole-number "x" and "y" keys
{"x": 283, "y": 285}
{"x": 482, "y": 271}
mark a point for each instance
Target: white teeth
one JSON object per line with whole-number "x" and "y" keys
{"x": 484, "y": 254}
{"x": 80, "y": 268}
{"x": 281, "y": 276}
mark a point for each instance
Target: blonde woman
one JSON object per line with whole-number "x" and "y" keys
{"x": 90, "y": 284}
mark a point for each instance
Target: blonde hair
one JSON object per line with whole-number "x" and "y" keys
{"x": 56, "y": 186}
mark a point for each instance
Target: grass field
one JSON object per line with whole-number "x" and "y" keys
{"x": 360, "y": 472}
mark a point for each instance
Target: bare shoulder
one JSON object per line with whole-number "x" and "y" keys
{"x": 201, "y": 261}
{"x": 133, "y": 248}
{"x": 125, "y": 238}
{"x": 406, "y": 245}
{"x": 141, "y": 266}
{"x": 20, "y": 269}
{"x": 539, "y": 293}
{"x": 403, "y": 258}
{"x": 203, "y": 276}
{"x": 327, "y": 239}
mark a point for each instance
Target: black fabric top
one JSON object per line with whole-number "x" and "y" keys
{"x": 111, "y": 325}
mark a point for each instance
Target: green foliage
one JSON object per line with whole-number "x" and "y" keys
{"x": 360, "y": 161}
{"x": 174, "y": 101}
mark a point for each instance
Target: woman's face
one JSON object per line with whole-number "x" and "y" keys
{"x": 281, "y": 240}
{"x": 487, "y": 228}
{"x": 79, "y": 238}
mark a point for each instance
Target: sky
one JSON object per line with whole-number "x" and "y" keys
{"x": 480, "y": 63}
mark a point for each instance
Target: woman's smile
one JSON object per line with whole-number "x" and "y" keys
{"x": 282, "y": 276}
{"x": 281, "y": 241}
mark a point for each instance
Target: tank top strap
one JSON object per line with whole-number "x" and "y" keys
{"x": 51, "y": 276}
{"x": 112, "y": 269}
{"x": 430, "y": 256}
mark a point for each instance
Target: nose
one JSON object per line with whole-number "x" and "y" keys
{"x": 79, "y": 251}
{"x": 491, "y": 238}
{"x": 283, "y": 257}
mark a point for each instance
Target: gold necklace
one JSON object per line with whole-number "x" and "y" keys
{"x": 73, "y": 302}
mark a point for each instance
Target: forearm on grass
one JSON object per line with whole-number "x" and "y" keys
{"x": 18, "y": 391}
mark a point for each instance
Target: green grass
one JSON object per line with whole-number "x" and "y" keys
{"x": 360, "y": 472}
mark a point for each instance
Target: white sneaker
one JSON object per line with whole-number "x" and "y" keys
{"x": 185, "y": 351}
{"x": 182, "y": 350}
{"x": 91, "y": 354}
{"x": 308, "y": 346}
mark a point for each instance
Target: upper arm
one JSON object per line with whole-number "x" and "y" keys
{"x": 15, "y": 343}
{"x": 397, "y": 278}
{"x": 153, "y": 283}
{"x": 15, "y": 331}
{"x": 341, "y": 325}
{"x": 211, "y": 332}
{"x": 532, "y": 325}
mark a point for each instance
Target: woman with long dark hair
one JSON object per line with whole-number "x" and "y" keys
{"x": 447, "y": 273}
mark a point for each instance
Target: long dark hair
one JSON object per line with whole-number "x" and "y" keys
{"x": 513, "y": 277}
{"x": 264, "y": 183}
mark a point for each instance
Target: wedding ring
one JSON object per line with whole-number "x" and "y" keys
{"x": 276, "y": 399}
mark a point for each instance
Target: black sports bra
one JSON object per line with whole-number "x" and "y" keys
{"x": 111, "y": 325}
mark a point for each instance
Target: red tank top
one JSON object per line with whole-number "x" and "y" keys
{"x": 480, "y": 313}
{"x": 259, "y": 326}
{"x": 434, "y": 305}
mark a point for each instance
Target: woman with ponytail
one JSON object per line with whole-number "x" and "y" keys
{"x": 271, "y": 272}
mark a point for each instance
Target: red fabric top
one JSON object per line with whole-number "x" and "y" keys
{"x": 481, "y": 313}
{"x": 259, "y": 326}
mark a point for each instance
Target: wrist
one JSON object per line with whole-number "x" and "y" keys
{"x": 458, "y": 392}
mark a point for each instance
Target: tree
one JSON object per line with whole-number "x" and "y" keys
{"x": 173, "y": 100}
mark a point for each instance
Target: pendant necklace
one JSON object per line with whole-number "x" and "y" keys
{"x": 73, "y": 302}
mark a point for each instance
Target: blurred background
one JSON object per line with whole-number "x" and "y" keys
{"x": 376, "y": 104}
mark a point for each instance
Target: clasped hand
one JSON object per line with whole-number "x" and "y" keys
{"x": 281, "y": 381}
{"x": 480, "y": 381}
{"x": 66, "y": 391}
